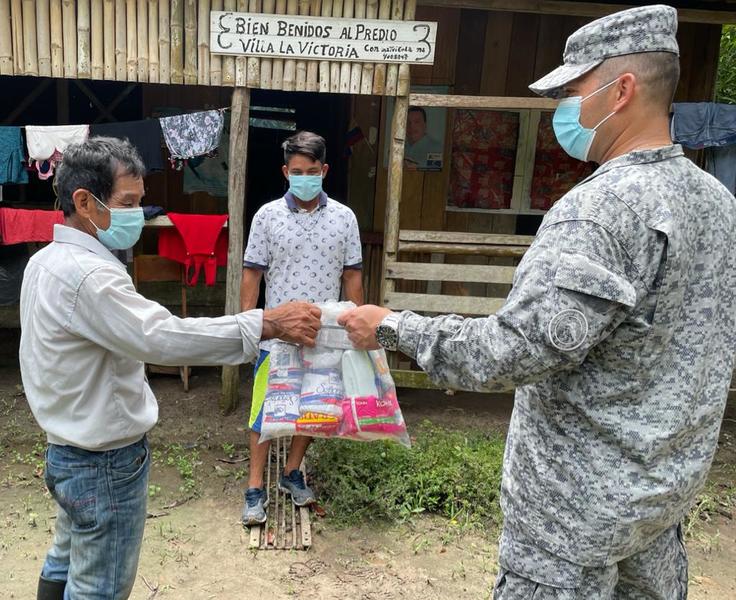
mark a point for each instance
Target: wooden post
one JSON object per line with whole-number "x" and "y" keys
{"x": 153, "y": 74}
{"x": 315, "y": 9}
{"x": 277, "y": 64}
{"x": 57, "y": 39}
{"x": 228, "y": 62}
{"x": 253, "y": 69}
{"x": 379, "y": 72}
{"x": 120, "y": 41}
{"x": 239, "y": 119}
{"x": 177, "y": 41}
{"x": 345, "y": 67}
{"x": 110, "y": 34}
{"x": 43, "y": 33}
{"x": 164, "y": 43}
{"x": 190, "y": 41}
{"x": 6, "y": 39}
{"x": 241, "y": 63}
{"x": 203, "y": 43}
{"x": 324, "y": 66}
{"x": 356, "y": 68}
{"x": 16, "y": 13}
{"x": 69, "y": 17}
{"x": 215, "y": 61}
{"x": 131, "y": 22}
{"x": 395, "y": 181}
{"x": 289, "y": 81}
{"x": 337, "y": 11}
{"x": 99, "y": 39}
{"x": 142, "y": 39}
{"x": 366, "y": 81}
{"x": 269, "y": 7}
{"x": 392, "y": 72}
{"x": 83, "y": 40}
{"x": 301, "y": 65}
{"x": 30, "y": 48}
{"x": 403, "y": 79}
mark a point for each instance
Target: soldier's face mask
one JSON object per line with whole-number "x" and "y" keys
{"x": 575, "y": 139}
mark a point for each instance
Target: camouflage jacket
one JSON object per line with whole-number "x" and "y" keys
{"x": 619, "y": 336}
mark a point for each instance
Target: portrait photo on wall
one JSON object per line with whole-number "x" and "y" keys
{"x": 424, "y": 148}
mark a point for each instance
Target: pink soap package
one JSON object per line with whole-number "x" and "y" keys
{"x": 331, "y": 390}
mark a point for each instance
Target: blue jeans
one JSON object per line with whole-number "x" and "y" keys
{"x": 102, "y": 513}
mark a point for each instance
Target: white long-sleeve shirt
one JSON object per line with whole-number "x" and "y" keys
{"x": 86, "y": 334}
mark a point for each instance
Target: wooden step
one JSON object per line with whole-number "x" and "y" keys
{"x": 287, "y": 527}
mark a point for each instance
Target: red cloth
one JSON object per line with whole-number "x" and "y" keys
{"x": 195, "y": 241}
{"x": 18, "y": 225}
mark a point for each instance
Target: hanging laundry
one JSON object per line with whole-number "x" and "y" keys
{"x": 11, "y": 156}
{"x": 193, "y": 134}
{"x": 195, "y": 241}
{"x": 19, "y": 225}
{"x": 48, "y": 143}
{"x": 703, "y": 124}
{"x": 144, "y": 135}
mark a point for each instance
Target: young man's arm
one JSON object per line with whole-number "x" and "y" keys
{"x": 352, "y": 285}
{"x": 250, "y": 287}
{"x": 255, "y": 261}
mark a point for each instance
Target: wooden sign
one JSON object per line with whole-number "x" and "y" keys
{"x": 323, "y": 39}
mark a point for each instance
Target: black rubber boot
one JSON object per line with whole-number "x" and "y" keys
{"x": 49, "y": 589}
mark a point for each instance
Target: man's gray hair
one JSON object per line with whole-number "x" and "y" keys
{"x": 307, "y": 144}
{"x": 94, "y": 165}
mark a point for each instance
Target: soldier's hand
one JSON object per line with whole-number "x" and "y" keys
{"x": 361, "y": 323}
{"x": 294, "y": 322}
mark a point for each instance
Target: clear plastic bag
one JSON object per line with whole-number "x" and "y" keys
{"x": 331, "y": 390}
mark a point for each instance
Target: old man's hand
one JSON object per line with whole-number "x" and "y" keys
{"x": 294, "y": 322}
{"x": 361, "y": 323}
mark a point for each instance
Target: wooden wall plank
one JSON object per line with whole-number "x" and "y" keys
{"x": 164, "y": 41}
{"x": 43, "y": 37}
{"x": 57, "y": 39}
{"x": 228, "y": 62}
{"x": 69, "y": 17}
{"x": 141, "y": 34}
{"x": 190, "y": 42}
{"x": 176, "y": 59}
{"x": 499, "y": 29}
{"x": 153, "y": 42}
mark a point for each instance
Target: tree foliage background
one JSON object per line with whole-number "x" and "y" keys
{"x": 726, "y": 81}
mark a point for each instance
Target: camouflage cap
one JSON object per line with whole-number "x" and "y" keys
{"x": 642, "y": 29}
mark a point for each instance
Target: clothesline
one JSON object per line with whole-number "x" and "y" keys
{"x": 223, "y": 109}
{"x": 187, "y": 135}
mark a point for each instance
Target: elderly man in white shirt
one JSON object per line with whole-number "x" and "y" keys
{"x": 85, "y": 336}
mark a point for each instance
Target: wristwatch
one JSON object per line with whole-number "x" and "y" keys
{"x": 387, "y": 332}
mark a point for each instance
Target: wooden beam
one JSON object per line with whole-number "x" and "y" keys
{"x": 579, "y": 9}
{"x": 469, "y": 249}
{"x": 483, "y": 102}
{"x": 460, "y": 237}
{"x": 404, "y": 378}
{"x": 436, "y": 303}
{"x": 448, "y": 272}
{"x": 239, "y": 120}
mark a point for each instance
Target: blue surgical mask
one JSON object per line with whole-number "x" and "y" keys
{"x": 305, "y": 187}
{"x": 575, "y": 139}
{"x": 125, "y": 228}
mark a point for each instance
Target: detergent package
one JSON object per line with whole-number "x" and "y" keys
{"x": 331, "y": 390}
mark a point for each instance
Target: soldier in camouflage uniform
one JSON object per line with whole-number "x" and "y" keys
{"x": 618, "y": 335}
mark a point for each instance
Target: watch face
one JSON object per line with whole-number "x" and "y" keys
{"x": 386, "y": 336}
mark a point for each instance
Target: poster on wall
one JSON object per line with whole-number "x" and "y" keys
{"x": 425, "y": 133}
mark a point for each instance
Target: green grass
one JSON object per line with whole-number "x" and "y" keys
{"x": 456, "y": 474}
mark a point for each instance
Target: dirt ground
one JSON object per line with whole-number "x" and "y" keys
{"x": 199, "y": 550}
